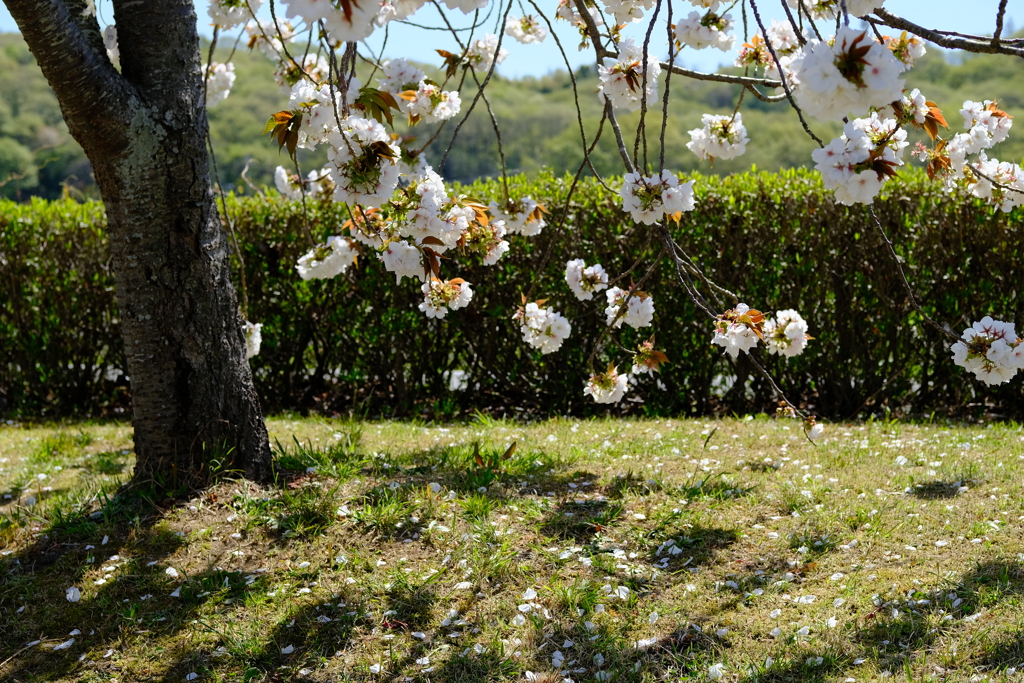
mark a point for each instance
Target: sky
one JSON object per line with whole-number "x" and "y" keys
{"x": 538, "y": 60}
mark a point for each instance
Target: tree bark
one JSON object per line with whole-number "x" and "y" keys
{"x": 144, "y": 130}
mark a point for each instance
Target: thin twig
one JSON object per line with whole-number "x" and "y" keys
{"x": 782, "y": 74}
{"x": 903, "y": 277}
{"x": 664, "y": 101}
{"x": 641, "y": 130}
{"x": 556, "y": 231}
{"x": 480, "y": 90}
{"x": 575, "y": 95}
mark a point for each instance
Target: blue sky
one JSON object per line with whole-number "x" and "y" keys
{"x": 537, "y": 60}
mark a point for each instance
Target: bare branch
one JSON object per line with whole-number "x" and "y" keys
{"x": 481, "y": 86}
{"x": 999, "y": 22}
{"x": 722, "y": 78}
{"x": 609, "y": 111}
{"x": 765, "y": 98}
{"x": 886, "y": 18}
{"x": 575, "y": 93}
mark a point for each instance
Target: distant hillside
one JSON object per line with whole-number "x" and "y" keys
{"x": 537, "y": 117}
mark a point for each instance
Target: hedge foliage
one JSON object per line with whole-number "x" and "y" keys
{"x": 359, "y": 344}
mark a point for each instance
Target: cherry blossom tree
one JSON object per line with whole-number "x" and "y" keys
{"x": 134, "y": 94}
{"x": 143, "y": 127}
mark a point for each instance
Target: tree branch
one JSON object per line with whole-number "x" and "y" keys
{"x": 95, "y": 100}
{"x": 989, "y": 46}
{"x": 722, "y": 78}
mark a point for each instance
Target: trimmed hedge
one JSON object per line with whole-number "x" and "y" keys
{"x": 359, "y": 344}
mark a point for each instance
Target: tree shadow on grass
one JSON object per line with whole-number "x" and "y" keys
{"x": 1003, "y": 654}
{"x": 898, "y": 636}
{"x": 685, "y": 653}
{"x": 690, "y": 545}
{"x": 936, "y": 490}
{"x": 580, "y": 520}
{"x": 695, "y": 487}
{"x": 808, "y": 667}
{"x": 307, "y": 635}
{"x": 130, "y": 603}
{"x": 468, "y": 468}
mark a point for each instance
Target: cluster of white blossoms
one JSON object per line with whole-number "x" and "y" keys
{"x": 269, "y": 38}
{"x": 706, "y": 30}
{"x": 465, "y": 6}
{"x": 786, "y": 333}
{"x": 914, "y": 106}
{"x": 420, "y": 223}
{"x": 638, "y": 312}
{"x": 567, "y": 12}
{"x": 521, "y": 216}
{"x": 434, "y": 218}
{"x": 328, "y": 259}
{"x": 231, "y": 13}
{"x": 316, "y": 104}
{"x": 1001, "y": 183}
{"x": 219, "y": 79}
{"x": 542, "y": 328}
{"x": 483, "y": 51}
{"x": 362, "y": 162}
{"x": 988, "y": 125}
{"x": 858, "y": 163}
{"x": 583, "y": 280}
{"x": 738, "y": 330}
{"x": 253, "y": 338}
{"x": 608, "y": 386}
{"x": 830, "y": 9}
{"x": 349, "y": 23}
{"x": 649, "y": 199}
{"x": 400, "y": 76}
{"x": 991, "y": 350}
{"x": 292, "y": 187}
{"x": 783, "y": 37}
{"x": 431, "y": 104}
{"x": 847, "y": 75}
{"x": 998, "y": 182}
{"x": 906, "y": 48}
{"x": 440, "y": 296}
{"x": 526, "y": 29}
{"x": 722, "y": 137}
{"x": 741, "y": 328}
{"x": 622, "y": 78}
{"x": 627, "y": 11}
{"x": 404, "y": 260}
{"x": 487, "y": 240}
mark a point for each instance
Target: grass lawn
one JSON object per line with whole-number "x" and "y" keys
{"x": 614, "y": 550}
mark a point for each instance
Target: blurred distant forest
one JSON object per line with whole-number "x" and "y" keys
{"x": 537, "y": 117}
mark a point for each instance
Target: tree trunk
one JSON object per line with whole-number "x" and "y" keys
{"x": 144, "y": 130}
